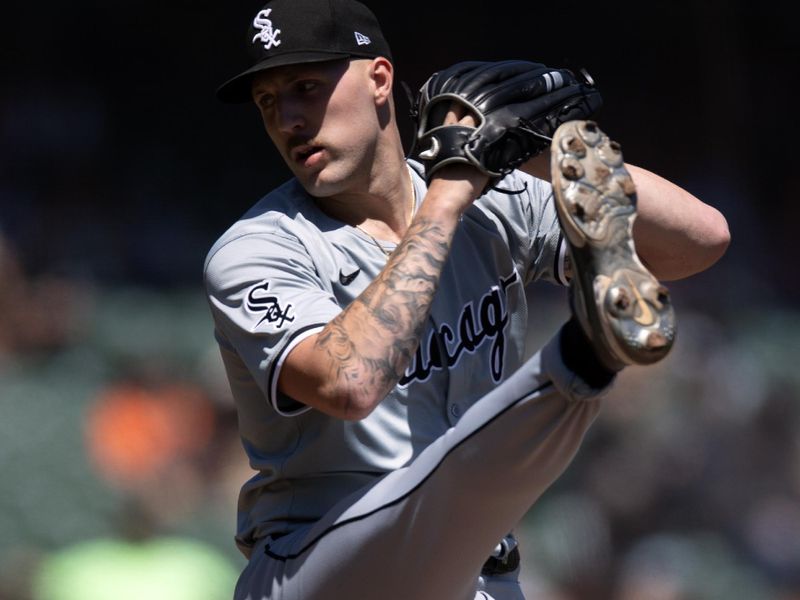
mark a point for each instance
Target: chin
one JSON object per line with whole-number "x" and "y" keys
{"x": 322, "y": 184}
{"x": 316, "y": 188}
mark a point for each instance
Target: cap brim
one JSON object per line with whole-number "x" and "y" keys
{"x": 237, "y": 90}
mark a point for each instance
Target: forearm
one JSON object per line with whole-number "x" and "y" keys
{"x": 366, "y": 348}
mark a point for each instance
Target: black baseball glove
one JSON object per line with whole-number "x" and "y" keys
{"x": 518, "y": 105}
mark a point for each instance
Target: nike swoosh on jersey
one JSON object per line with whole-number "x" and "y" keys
{"x": 348, "y": 279}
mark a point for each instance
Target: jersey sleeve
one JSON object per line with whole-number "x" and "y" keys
{"x": 547, "y": 250}
{"x": 266, "y": 296}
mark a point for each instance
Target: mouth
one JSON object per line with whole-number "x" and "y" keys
{"x": 306, "y": 154}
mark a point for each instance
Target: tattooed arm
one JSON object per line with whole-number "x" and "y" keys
{"x": 349, "y": 367}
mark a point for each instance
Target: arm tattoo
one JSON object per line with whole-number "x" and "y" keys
{"x": 373, "y": 340}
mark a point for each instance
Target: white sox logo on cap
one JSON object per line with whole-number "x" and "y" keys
{"x": 315, "y": 30}
{"x": 266, "y": 33}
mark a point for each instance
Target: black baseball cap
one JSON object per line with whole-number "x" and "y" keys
{"x": 287, "y": 32}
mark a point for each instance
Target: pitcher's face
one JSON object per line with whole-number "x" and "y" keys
{"x": 322, "y": 118}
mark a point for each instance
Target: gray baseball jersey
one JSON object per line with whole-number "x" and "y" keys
{"x": 285, "y": 269}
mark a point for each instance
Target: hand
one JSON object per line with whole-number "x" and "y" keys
{"x": 472, "y": 180}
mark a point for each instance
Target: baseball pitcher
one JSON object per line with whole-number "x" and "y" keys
{"x": 371, "y": 311}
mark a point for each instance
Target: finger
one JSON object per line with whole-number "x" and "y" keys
{"x": 454, "y": 114}
{"x": 458, "y": 114}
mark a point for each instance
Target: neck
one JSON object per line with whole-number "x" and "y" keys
{"x": 385, "y": 206}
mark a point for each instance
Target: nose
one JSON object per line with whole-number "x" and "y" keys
{"x": 289, "y": 117}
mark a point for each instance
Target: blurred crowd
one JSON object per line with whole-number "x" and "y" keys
{"x": 120, "y": 457}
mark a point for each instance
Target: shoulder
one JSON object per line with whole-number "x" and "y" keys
{"x": 514, "y": 203}
{"x": 515, "y": 188}
{"x": 274, "y": 216}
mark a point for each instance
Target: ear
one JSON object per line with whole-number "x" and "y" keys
{"x": 382, "y": 73}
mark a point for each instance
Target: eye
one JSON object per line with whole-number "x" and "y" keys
{"x": 307, "y": 86}
{"x": 265, "y": 100}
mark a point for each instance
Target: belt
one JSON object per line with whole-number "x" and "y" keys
{"x": 504, "y": 559}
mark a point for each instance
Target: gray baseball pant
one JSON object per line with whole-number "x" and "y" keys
{"x": 423, "y": 532}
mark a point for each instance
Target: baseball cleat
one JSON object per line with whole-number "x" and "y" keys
{"x": 622, "y": 307}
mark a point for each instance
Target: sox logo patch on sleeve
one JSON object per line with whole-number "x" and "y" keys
{"x": 275, "y": 314}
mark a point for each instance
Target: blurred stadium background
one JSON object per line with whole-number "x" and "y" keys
{"x": 119, "y": 458}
